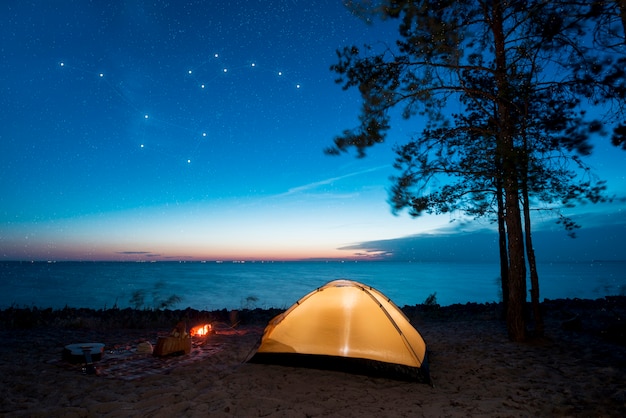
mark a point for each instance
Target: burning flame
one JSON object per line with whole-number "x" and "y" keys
{"x": 200, "y": 330}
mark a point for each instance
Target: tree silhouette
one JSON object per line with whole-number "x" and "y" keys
{"x": 519, "y": 73}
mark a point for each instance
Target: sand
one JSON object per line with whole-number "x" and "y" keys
{"x": 476, "y": 370}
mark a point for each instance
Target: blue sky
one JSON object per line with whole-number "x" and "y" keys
{"x": 195, "y": 130}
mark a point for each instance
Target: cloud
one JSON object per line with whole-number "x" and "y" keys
{"x": 317, "y": 184}
{"x": 444, "y": 247}
{"x": 604, "y": 242}
{"x": 133, "y": 252}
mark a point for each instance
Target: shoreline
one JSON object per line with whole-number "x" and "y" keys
{"x": 577, "y": 369}
{"x": 607, "y": 309}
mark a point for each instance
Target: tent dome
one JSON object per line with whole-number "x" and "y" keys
{"x": 349, "y": 326}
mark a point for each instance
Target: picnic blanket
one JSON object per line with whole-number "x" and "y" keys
{"x": 126, "y": 362}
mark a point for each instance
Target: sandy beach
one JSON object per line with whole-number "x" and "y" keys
{"x": 577, "y": 369}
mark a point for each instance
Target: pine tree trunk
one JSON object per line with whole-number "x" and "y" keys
{"x": 530, "y": 250}
{"x": 502, "y": 246}
{"x": 506, "y": 152}
{"x": 516, "y": 323}
{"x": 532, "y": 265}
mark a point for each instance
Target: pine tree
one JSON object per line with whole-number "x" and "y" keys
{"x": 520, "y": 75}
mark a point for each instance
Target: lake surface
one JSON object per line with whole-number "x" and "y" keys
{"x": 228, "y": 285}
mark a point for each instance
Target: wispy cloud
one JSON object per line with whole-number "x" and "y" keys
{"x": 314, "y": 185}
{"x": 133, "y": 252}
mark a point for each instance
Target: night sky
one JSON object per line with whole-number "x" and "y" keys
{"x": 145, "y": 130}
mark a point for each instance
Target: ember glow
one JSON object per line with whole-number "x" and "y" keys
{"x": 200, "y": 330}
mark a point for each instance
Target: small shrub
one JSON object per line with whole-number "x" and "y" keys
{"x": 431, "y": 301}
{"x": 250, "y": 302}
{"x": 138, "y": 298}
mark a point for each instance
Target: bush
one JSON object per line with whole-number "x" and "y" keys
{"x": 431, "y": 301}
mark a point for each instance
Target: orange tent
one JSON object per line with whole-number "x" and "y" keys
{"x": 349, "y": 326}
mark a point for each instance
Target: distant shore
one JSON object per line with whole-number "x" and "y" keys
{"x": 577, "y": 369}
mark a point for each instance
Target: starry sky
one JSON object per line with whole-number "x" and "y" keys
{"x": 159, "y": 130}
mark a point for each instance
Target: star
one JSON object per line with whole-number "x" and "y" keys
{"x": 135, "y": 102}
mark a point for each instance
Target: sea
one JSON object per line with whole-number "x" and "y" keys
{"x": 249, "y": 285}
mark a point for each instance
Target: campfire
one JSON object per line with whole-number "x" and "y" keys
{"x": 200, "y": 330}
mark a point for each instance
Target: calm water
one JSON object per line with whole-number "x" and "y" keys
{"x": 237, "y": 285}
